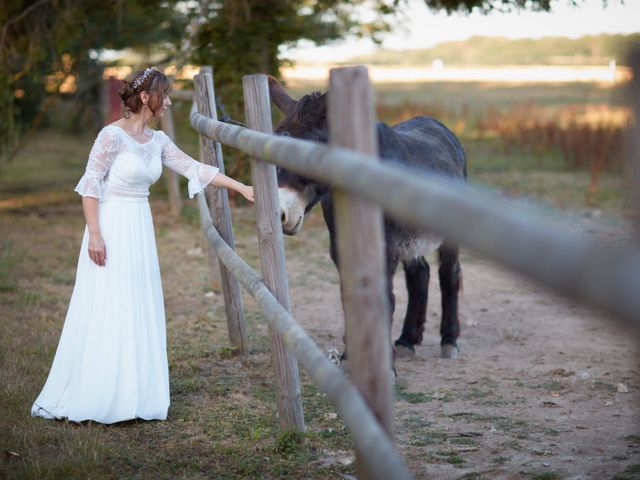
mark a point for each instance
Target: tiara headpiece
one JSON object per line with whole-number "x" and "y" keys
{"x": 143, "y": 78}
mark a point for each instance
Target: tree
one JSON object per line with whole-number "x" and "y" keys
{"x": 487, "y": 6}
{"x": 48, "y": 49}
{"x": 239, "y": 37}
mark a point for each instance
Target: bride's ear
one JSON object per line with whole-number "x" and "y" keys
{"x": 144, "y": 96}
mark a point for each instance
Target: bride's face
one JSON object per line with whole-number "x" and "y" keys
{"x": 166, "y": 103}
{"x": 159, "y": 112}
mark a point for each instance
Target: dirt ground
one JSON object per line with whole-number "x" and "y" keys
{"x": 543, "y": 388}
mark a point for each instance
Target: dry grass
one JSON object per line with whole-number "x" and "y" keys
{"x": 222, "y": 421}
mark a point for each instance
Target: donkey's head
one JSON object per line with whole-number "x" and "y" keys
{"x": 306, "y": 119}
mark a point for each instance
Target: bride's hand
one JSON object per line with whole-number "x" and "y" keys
{"x": 97, "y": 250}
{"x": 247, "y": 192}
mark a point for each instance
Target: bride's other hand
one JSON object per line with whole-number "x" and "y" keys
{"x": 97, "y": 250}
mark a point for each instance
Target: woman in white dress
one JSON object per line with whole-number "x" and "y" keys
{"x": 111, "y": 361}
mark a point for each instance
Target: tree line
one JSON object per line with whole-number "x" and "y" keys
{"x": 44, "y": 43}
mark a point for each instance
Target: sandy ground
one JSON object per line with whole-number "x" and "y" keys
{"x": 543, "y": 388}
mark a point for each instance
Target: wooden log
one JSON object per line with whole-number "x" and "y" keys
{"x": 272, "y": 259}
{"x": 222, "y": 219}
{"x": 173, "y": 186}
{"x": 602, "y": 275}
{"x": 368, "y": 436}
{"x": 361, "y": 256}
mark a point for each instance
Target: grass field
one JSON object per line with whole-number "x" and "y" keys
{"x": 222, "y": 420}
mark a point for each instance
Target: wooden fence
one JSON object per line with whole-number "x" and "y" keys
{"x": 598, "y": 274}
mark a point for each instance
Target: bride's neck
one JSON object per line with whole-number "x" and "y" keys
{"x": 136, "y": 123}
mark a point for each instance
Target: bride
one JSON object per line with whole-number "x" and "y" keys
{"x": 111, "y": 361}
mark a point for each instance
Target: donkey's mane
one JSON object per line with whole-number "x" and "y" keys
{"x": 303, "y": 105}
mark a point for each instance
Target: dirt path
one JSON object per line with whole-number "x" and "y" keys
{"x": 543, "y": 388}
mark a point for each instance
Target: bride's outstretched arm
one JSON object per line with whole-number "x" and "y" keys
{"x": 97, "y": 248}
{"x": 221, "y": 180}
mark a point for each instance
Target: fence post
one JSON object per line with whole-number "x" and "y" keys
{"x": 361, "y": 255}
{"x": 175, "y": 202}
{"x": 272, "y": 258}
{"x": 214, "y": 264}
{"x": 219, "y": 207}
{"x": 633, "y": 90}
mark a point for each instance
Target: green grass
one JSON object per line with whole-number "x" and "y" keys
{"x": 412, "y": 397}
{"x": 632, "y": 472}
{"x": 546, "y": 476}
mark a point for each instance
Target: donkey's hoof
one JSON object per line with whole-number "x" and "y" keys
{"x": 449, "y": 351}
{"x": 404, "y": 351}
{"x": 404, "y": 348}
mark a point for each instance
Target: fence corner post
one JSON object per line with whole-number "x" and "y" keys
{"x": 633, "y": 154}
{"x": 361, "y": 254}
{"x": 272, "y": 258}
{"x": 221, "y": 216}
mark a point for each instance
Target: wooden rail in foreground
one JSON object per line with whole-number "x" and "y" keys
{"x": 601, "y": 275}
{"x": 368, "y": 436}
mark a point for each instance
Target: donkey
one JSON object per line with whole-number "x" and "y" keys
{"x": 421, "y": 143}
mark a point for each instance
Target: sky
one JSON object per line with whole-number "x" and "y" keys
{"x": 421, "y": 28}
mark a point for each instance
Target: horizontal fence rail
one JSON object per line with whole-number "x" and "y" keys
{"x": 368, "y": 435}
{"x": 578, "y": 266}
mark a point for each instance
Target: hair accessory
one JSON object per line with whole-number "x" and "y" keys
{"x": 142, "y": 78}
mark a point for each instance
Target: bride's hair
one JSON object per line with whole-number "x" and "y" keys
{"x": 150, "y": 80}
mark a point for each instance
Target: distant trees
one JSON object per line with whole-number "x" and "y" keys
{"x": 239, "y": 37}
{"x": 487, "y": 6}
{"x": 43, "y": 43}
{"x": 48, "y": 45}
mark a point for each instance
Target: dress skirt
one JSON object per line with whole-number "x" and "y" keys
{"x": 111, "y": 361}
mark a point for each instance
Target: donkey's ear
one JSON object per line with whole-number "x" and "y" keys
{"x": 280, "y": 97}
{"x": 324, "y": 99}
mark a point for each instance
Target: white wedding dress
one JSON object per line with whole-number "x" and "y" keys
{"x": 111, "y": 361}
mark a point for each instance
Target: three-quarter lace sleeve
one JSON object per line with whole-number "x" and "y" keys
{"x": 102, "y": 155}
{"x": 199, "y": 174}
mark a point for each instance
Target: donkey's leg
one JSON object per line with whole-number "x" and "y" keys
{"x": 450, "y": 282}
{"x": 416, "y": 273}
{"x": 392, "y": 265}
{"x": 327, "y": 212}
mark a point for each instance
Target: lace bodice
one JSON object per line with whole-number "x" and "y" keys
{"x": 120, "y": 166}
